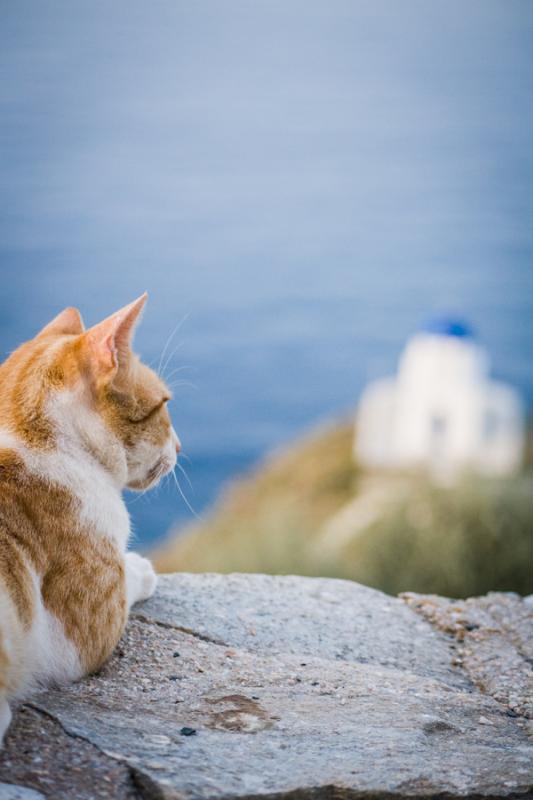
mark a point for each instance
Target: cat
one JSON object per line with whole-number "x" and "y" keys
{"x": 81, "y": 418}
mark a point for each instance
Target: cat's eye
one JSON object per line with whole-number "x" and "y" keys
{"x": 154, "y": 410}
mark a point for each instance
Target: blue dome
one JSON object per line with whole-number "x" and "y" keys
{"x": 448, "y": 326}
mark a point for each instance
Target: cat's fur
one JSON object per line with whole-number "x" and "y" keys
{"x": 81, "y": 418}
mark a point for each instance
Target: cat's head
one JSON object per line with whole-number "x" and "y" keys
{"x": 72, "y": 388}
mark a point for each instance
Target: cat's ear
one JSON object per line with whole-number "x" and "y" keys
{"x": 109, "y": 342}
{"x": 68, "y": 321}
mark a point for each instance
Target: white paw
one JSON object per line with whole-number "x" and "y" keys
{"x": 141, "y": 579}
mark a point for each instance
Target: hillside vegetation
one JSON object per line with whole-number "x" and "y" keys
{"x": 311, "y": 511}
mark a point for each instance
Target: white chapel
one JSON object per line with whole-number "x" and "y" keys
{"x": 441, "y": 410}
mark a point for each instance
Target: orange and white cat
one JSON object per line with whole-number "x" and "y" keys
{"x": 81, "y": 418}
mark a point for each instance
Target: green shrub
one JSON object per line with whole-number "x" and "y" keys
{"x": 466, "y": 540}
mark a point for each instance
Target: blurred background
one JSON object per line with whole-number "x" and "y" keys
{"x": 299, "y": 186}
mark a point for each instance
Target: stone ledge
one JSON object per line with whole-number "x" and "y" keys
{"x": 250, "y": 686}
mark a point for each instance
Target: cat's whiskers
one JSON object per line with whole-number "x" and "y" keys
{"x": 140, "y": 494}
{"x": 178, "y": 384}
{"x": 176, "y": 370}
{"x": 168, "y": 341}
{"x": 180, "y": 490}
{"x": 169, "y": 358}
{"x": 183, "y": 472}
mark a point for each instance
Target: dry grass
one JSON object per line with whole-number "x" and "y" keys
{"x": 263, "y": 523}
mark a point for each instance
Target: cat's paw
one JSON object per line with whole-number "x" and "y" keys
{"x": 141, "y": 578}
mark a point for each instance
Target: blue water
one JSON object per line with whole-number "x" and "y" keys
{"x": 298, "y": 184}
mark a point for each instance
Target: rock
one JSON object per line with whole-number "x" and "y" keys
{"x": 496, "y": 642}
{"x": 289, "y": 686}
{"x": 9, "y": 791}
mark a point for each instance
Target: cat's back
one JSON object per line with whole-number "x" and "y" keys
{"x": 61, "y": 583}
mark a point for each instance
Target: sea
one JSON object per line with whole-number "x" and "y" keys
{"x": 299, "y": 186}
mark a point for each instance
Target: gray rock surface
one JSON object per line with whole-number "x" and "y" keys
{"x": 248, "y": 686}
{"x": 8, "y": 791}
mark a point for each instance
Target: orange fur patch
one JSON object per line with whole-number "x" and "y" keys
{"x": 27, "y": 377}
